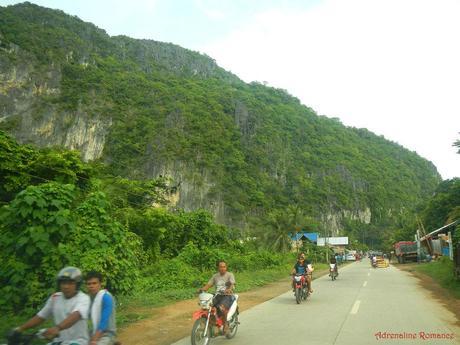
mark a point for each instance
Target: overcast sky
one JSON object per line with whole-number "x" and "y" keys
{"x": 392, "y": 66}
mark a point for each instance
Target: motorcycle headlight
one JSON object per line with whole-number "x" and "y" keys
{"x": 204, "y": 304}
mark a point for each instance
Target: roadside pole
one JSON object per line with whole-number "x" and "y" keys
{"x": 417, "y": 239}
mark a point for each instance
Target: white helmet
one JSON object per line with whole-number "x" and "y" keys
{"x": 70, "y": 274}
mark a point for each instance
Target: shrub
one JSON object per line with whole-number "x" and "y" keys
{"x": 45, "y": 228}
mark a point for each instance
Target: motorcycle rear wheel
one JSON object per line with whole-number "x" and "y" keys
{"x": 233, "y": 326}
{"x": 198, "y": 329}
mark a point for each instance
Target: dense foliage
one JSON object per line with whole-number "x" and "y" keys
{"x": 55, "y": 217}
{"x": 259, "y": 148}
{"x": 444, "y": 206}
{"x": 441, "y": 208}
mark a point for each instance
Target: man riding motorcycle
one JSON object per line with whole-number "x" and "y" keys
{"x": 69, "y": 309}
{"x": 224, "y": 282}
{"x": 333, "y": 261}
{"x": 374, "y": 261}
{"x": 303, "y": 266}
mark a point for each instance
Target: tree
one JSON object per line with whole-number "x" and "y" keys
{"x": 457, "y": 144}
{"x": 280, "y": 226}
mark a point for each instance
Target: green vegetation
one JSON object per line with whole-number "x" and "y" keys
{"x": 441, "y": 272}
{"x": 444, "y": 206}
{"x": 67, "y": 212}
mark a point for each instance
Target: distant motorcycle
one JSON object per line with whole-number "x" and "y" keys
{"x": 208, "y": 324}
{"x": 300, "y": 288}
{"x": 333, "y": 272}
{"x": 374, "y": 263}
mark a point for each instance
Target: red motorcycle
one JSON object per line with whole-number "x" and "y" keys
{"x": 300, "y": 288}
{"x": 208, "y": 324}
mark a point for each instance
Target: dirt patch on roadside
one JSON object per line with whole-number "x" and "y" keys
{"x": 437, "y": 292}
{"x": 168, "y": 324}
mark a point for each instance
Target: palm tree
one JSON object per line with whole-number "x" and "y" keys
{"x": 279, "y": 226}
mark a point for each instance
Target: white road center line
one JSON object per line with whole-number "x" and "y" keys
{"x": 365, "y": 283}
{"x": 369, "y": 274}
{"x": 355, "y": 308}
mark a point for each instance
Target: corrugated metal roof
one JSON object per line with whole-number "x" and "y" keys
{"x": 312, "y": 236}
{"x": 439, "y": 230}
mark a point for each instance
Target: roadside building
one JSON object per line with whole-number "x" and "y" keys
{"x": 338, "y": 244}
{"x": 300, "y": 238}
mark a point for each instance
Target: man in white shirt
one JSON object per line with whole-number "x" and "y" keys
{"x": 224, "y": 283}
{"x": 69, "y": 308}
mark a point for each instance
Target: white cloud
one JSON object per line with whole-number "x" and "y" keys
{"x": 391, "y": 66}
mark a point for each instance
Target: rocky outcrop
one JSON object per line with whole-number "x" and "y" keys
{"x": 26, "y": 111}
{"x": 333, "y": 221}
{"x": 190, "y": 189}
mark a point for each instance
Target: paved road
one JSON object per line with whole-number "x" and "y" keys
{"x": 350, "y": 311}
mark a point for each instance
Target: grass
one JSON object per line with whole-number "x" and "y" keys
{"x": 442, "y": 272}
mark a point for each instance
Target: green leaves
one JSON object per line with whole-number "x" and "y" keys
{"x": 31, "y": 228}
{"x": 47, "y": 227}
{"x": 443, "y": 206}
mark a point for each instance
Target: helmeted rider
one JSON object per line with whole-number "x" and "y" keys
{"x": 304, "y": 267}
{"x": 224, "y": 283}
{"x": 69, "y": 309}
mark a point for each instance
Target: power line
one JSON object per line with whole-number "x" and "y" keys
{"x": 78, "y": 177}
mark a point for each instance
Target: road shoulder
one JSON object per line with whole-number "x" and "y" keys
{"x": 436, "y": 291}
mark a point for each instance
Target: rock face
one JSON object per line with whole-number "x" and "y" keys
{"x": 192, "y": 190}
{"x": 333, "y": 221}
{"x": 24, "y": 91}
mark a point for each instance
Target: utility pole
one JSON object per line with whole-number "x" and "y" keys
{"x": 428, "y": 243}
{"x": 417, "y": 239}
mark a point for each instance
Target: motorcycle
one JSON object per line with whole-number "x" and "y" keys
{"x": 18, "y": 338}
{"x": 333, "y": 272}
{"x": 208, "y": 324}
{"x": 300, "y": 288}
{"x": 374, "y": 263}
